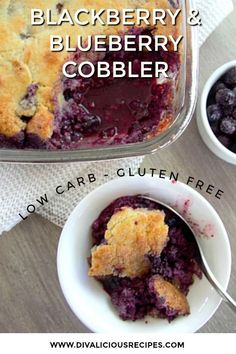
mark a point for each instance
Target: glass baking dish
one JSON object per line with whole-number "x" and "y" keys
{"x": 184, "y": 106}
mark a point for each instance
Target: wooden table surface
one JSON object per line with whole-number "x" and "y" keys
{"x": 30, "y": 295}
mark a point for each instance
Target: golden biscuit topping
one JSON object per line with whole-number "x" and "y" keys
{"x": 173, "y": 297}
{"x": 131, "y": 234}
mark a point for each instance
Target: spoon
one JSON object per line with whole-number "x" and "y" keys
{"x": 203, "y": 262}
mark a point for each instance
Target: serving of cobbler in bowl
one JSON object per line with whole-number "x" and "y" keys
{"x": 145, "y": 259}
{"x": 41, "y": 109}
{"x": 127, "y": 264}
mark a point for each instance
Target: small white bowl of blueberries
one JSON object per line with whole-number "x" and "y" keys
{"x": 217, "y": 118}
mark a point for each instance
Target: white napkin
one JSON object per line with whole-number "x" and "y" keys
{"x": 21, "y": 185}
{"x": 212, "y": 13}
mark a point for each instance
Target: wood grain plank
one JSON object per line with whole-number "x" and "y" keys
{"x": 30, "y": 296}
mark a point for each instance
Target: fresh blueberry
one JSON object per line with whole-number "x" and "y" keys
{"x": 215, "y": 129}
{"x": 224, "y": 140}
{"x": 233, "y": 147}
{"x": 219, "y": 85}
{"x": 230, "y": 77}
{"x": 233, "y": 115}
{"x": 228, "y": 126}
{"x": 214, "y": 113}
{"x": 227, "y": 110}
{"x": 226, "y": 97}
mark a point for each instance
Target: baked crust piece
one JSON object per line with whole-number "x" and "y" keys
{"x": 172, "y": 296}
{"x": 25, "y": 59}
{"x": 131, "y": 234}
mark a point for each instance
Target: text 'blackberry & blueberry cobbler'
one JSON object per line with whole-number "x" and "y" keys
{"x": 145, "y": 258}
{"x": 42, "y": 108}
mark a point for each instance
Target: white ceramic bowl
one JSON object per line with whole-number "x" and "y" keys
{"x": 85, "y": 295}
{"x": 203, "y": 124}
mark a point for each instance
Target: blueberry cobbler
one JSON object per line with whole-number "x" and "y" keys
{"x": 221, "y": 109}
{"x": 145, "y": 258}
{"x": 41, "y": 109}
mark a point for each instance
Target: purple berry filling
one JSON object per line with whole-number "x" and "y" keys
{"x": 29, "y": 101}
{"x": 32, "y": 90}
{"x": 14, "y": 142}
{"x": 134, "y": 298}
{"x": 115, "y": 111}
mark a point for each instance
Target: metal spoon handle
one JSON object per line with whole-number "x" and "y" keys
{"x": 214, "y": 282}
